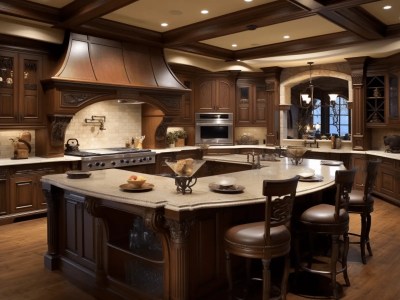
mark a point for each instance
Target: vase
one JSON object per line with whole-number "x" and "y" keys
{"x": 180, "y": 143}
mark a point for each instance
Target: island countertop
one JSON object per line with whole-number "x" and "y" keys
{"x": 104, "y": 184}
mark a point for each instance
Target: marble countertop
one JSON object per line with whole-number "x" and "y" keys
{"x": 104, "y": 184}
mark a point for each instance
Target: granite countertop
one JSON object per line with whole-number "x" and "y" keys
{"x": 4, "y": 162}
{"x": 104, "y": 184}
{"x": 35, "y": 160}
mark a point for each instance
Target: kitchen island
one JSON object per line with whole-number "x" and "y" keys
{"x": 158, "y": 244}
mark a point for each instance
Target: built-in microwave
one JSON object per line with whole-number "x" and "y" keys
{"x": 214, "y": 128}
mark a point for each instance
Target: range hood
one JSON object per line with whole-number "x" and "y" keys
{"x": 99, "y": 61}
{"x": 93, "y": 69}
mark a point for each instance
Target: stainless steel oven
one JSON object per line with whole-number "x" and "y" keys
{"x": 214, "y": 128}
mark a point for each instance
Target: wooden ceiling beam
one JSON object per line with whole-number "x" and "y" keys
{"x": 259, "y": 16}
{"x": 30, "y": 10}
{"x": 81, "y": 11}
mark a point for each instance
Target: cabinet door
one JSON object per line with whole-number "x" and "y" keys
{"x": 3, "y": 192}
{"x": 29, "y": 74}
{"x": 225, "y": 99}
{"x": 23, "y": 193}
{"x": 243, "y": 105}
{"x": 359, "y": 162}
{"x": 260, "y": 106}
{"x": 8, "y": 88}
{"x": 205, "y": 95}
{"x": 394, "y": 108}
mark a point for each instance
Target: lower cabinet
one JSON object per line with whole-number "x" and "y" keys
{"x": 387, "y": 185}
{"x": 359, "y": 162}
{"x": 3, "y": 190}
{"x": 21, "y": 190}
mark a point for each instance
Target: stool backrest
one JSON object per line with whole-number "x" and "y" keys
{"x": 344, "y": 180}
{"x": 372, "y": 172}
{"x": 280, "y": 196}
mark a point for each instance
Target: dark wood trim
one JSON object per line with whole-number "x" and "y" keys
{"x": 81, "y": 11}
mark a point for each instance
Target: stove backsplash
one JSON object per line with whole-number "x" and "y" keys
{"x": 123, "y": 121}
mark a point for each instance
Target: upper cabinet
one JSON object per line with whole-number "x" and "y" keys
{"x": 394, "y": 108}
{"x": 187, "y": 101}
{"x": 215, "y": 94}
{"x": 20, "y": 89}
{"x": 251, "y": 109}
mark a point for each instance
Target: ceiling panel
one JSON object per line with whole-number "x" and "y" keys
{"x": 149, "y": 14}
{"x": 297, "y": 29}
{"x": 388, "y": 17}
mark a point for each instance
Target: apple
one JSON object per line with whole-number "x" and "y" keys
{"x": 132, "y": 177}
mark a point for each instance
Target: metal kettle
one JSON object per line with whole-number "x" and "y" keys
{"x": 72, "y": 145}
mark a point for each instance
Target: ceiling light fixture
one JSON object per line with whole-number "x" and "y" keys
{"x": 286, "y": 36}
{"x": 307, "y": 95}
{"x": 204, "y": 11}
{"x": 164, "y": 24}
{"x": 234, "y": 45}
{"x": 387, "y": 7}
{"x": 248, "y": 0}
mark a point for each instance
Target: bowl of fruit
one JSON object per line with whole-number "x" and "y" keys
{"x": 136, "y": 181}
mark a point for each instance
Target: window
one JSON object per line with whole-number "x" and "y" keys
{"x": 333, "y": 119}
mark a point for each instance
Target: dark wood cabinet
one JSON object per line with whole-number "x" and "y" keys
{"x": 215, "y": 94}
{"x": 359, "y": 162}
{"x": 387, "y": 185}
{"x": 21, "y": 189}
{"x": 20, "y": 89}
{"x": 394, "y": 98}
{"x": 187, "y": 102}
{"x": 251, "y": 108}
{"x": 3, "y": 191}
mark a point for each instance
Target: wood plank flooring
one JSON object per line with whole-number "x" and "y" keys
{"x": 23, "y": 276}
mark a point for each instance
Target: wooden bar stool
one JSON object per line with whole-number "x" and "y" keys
{"x": 267, "y": 239}
{"x": 332, "y": 221}
{"x": 361, "y": 202}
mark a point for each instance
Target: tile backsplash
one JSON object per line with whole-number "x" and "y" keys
{"x": 6, "y": 147}
{"x": 122, "y": 122}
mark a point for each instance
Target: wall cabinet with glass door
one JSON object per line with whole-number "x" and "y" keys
{"x": 20, "y": 89}
{"x": 251, "y": 108}
{"x": 394, "y": 98}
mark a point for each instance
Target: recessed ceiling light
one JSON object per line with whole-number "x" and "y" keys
{"x": 248, "y": 0}
{"x": 387, "y": 7}
{"x": 164, "y": 24}
{"x": 234, "y": 45}
{"x": 238, "y": 60}
{"x": 204, "y": 11}
{"x": 286, "y": 36}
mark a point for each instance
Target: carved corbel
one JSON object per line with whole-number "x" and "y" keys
{"x": 58, "y": 126}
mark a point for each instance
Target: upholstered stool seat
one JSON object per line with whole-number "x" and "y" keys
{"x": 252, "y": 235}
{"x": 268, "y": 239}
{"x": 324, "y": 214}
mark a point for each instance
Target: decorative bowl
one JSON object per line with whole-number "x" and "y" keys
{"x": 185, "y": 167}
{"x": 295, "y": 153}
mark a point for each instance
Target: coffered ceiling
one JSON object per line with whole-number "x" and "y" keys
{"x": 323, "y": 31}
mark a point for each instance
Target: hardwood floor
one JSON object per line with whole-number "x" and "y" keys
{"x": 23, "y": 276}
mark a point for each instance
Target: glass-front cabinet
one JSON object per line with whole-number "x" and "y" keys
{"x": 20, "y": 89}
{"x": 394, "y": 109}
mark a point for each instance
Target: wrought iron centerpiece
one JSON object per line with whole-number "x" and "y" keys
{"x": 184, "y": 170}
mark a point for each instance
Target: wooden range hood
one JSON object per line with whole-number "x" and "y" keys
{"x": 95, "y": 69}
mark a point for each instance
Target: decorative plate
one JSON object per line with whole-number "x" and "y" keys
{"x": 314, "y": 178}
{"x": 331, "y": 162}
{"x": 75, "y": 174}
{"x": 229, "y": 189}
{"x": 126, "y": 187}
